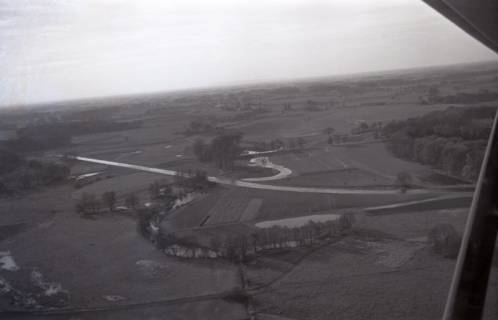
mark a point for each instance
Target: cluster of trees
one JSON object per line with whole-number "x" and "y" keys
{"x": 184, "y": 183}
{"x": 221, "y": 151}
{"x": 148, "y": 220}
{"x": 160, "y": 190}
{"x": 362, "y": 127}
{"x": 484, "y": 95}
{"x": 240, "y": 246}
{"x": 192, "y": 181}
{"x": 202, "y": 126}
{"x": 18, "y": 174}
{"x": 453, "y": 140}
{"x": 40, "y": 137}
{"x": 90, "y": 204}
{"x": 164, "y": 195}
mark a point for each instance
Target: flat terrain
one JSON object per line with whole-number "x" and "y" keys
{"x": 95, "y": 258}
{"x": 383, "y": 269}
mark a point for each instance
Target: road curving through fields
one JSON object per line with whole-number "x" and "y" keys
{"x": 255, "y": 185}
{"x": 265, "y": 162}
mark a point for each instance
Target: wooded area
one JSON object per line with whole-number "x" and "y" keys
{"x": 453, "y": 140}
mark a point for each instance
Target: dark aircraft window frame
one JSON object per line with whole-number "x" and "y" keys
{"x": 467, "y": 295}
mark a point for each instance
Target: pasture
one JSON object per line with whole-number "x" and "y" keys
{"x": 104, "y": 256}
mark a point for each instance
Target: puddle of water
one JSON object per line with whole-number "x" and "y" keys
{"x": 185, "y": 200}
{"x": 113, "y": 298}
{"x": 4, "y": 286}
{"x": 298, "y": 221}
{"x": 7, "y": 262}
{"x": 49, "y": 288}
{"x": 252, "y": 152}
{"x": 86, "y": 175}
{"x": 53, "y": 289}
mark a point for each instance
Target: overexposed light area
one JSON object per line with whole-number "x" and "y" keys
{"x": 53, "y": 50}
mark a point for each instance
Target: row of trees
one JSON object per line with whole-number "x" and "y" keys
{"x": 453, "y": 140}
{"x": 274, "y": 144}
{"x": 434, "y": 96}
{"x": 58, "y": 133}
{"x": 238, "y": 247}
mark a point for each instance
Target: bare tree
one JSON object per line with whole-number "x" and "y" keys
{"x": 109, "y": 200}
{"x": 88, "y": 204}
{"x": 404, "y": 180}
{"x": 301, "y": 142}
{"x": 132, "y": 201}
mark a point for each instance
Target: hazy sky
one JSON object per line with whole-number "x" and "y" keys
{"x": 67, "y": 49}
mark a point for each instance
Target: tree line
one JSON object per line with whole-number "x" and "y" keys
{"x": 274, "y": 144}
{"x": 453, "y": 140}
{"x": 18, "y": 174}
{"x": 202, "y": 126}
{"x": 56, "y": 134}
{"x": 162, "y": 194}
{"x": 239, "y": 247}
{"x": 434, "y": 96}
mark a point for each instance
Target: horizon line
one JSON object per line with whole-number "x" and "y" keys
{"x": 235, "y": 85}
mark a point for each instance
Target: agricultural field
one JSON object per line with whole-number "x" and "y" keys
{"x": 363, "y": 164}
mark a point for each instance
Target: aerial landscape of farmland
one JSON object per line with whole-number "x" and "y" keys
{"x": 296, "y": 200}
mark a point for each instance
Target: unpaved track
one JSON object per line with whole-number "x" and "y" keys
{"x": 253, "y": 185}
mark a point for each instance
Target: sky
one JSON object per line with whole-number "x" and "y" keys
{"x": 53, "y": 50}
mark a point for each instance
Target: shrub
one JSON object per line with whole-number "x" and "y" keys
{"x": 237, "y": 295}
{"x": 445, "y": 240}
{"x": 132, "y": 201}
{"x": 88, "y": 204}
{"x": 404, "y": 180}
